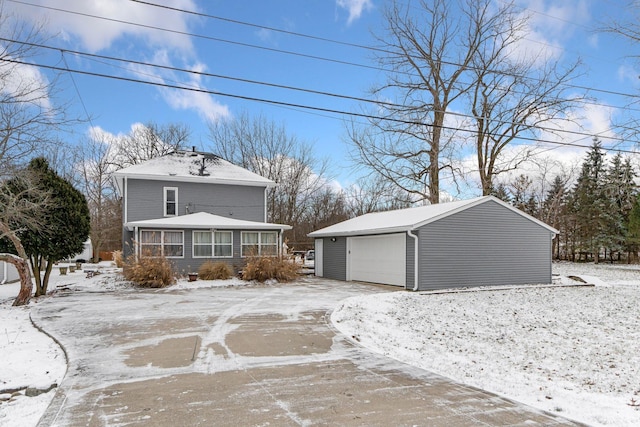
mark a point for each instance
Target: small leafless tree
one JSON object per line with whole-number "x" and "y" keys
{"x": 374, "y": 194}
{"x": 93, "y": 174}
{"x": 264, "y": 147}
{"x": 146, "y": 142}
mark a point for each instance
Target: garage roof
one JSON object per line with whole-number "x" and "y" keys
{"x": 402, "y": 220}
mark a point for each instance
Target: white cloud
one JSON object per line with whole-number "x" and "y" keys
{"x": 26, "y": 84}
{"x": 197, "y": 99}
{"x": 355, "y": 8}
{"x": 96, "y": 34}
{"x": 549, "y": 28}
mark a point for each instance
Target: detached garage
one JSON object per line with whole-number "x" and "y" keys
{"x": 476, "y": 242}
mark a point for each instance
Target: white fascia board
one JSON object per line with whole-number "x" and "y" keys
{"x": 204, "y": 180}
{"x": 368, "y": 232}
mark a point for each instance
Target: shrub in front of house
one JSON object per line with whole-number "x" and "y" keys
{"x": 263, "y": 268}
{"x": 219, "y": 270}
{"x": 149, "y": 272}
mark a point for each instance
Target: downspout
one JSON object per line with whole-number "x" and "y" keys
{"x": 415, "y": 259}
{"x": 137, "y": 250}
{"x": 126, "y": 197}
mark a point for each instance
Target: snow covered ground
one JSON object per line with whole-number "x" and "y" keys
{"x": 30, "y": 358}
{"x": 572, "y": 350}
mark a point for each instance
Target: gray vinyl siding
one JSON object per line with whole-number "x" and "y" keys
{"x": 334, "y": 258}
{"x": 486, "y": 244}
{"x": 187, "y": 264}
{"x": 145, "y": 200}
{"x": 128, "y": 244}
{"x": 410, "y": 257}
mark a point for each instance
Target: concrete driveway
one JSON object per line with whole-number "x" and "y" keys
{"x": 244, "y": 356}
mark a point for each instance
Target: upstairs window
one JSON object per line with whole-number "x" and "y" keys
{"x": 170, "y": 201}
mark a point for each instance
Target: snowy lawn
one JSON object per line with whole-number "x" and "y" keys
{"x": 573, "y": 350}
{"x": 31, "y": 359}
{"x": 570, "y": 350}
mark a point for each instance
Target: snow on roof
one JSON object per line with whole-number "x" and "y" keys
{"x": 206, "y": 220}
{"x": 402, "y": 220}
{"x": 192, "y": 166}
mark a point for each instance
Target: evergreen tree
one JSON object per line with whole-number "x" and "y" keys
{"x": 589, "y": 204}
{"x": 633, "y": 228}
{"x": 66, "y": 228}
{"x": 554, "y": 212}
{"x": 501, "y": 193}
{"x": 620, "y": 190}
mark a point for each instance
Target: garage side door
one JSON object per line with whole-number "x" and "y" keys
{"x": 377, "y": 259}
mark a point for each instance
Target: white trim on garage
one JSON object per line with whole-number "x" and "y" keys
{"x": 377, "y": 259}
{"x": 319, "y": 256}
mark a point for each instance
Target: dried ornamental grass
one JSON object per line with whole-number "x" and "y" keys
{"x": 210, "y": 270}
{"x": 149, "y": 272}
{"x": 118, "y": 258}
{"x": 265, "y": 268}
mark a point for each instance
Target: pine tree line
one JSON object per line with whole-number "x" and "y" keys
{"x": 598, "y": 216}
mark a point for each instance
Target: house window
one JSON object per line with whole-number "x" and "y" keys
{"x": 162, "y": 243}
{"x": 223, "y": 246}
{"x": 259, "y": 243}
{"x": 202, "y": 244}
{"x": 218, "y": 244}
{"x": 170, "y": 201}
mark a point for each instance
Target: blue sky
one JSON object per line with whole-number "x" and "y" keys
{"x": 563, "y": 29}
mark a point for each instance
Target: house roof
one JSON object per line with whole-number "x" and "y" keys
{"x": 205, "y": 220}
{"x": 403, "y": 220}
{"x": 191, "y": 166}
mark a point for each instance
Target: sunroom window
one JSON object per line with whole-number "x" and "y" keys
{"x": 218, "y": 244}
{"x": 162, "y": 243}
{"x": 263, "y": 243}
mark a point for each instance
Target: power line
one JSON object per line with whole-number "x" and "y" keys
{"x": 299, "y": 54}
{"x": 200, "y": 36}
{"x": 315, "y": 92}
{"x": 370, "y": 48}
{"x": 289, "y": 104}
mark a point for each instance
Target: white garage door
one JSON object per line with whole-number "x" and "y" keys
{"x": 377, "y": 259}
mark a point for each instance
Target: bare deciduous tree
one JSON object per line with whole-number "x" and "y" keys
{"x": 22, "y": 207}
{"x": 93, "y": 175}
{"x": 30, "y": 118}
{"x": 456, "y": 74}
{"x": 428, "y": 50}
{"x": 146, "y": 142}
{"x": 264, "y": 147}
{"x": 514, "y": 94}
{"x": 375, "y": 195}
{"x": 30, "y": 115}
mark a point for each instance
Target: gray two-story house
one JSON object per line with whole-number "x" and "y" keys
{"x": 192, "y": 207}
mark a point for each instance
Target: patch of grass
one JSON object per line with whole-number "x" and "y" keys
{"x": 219, "y": 270}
